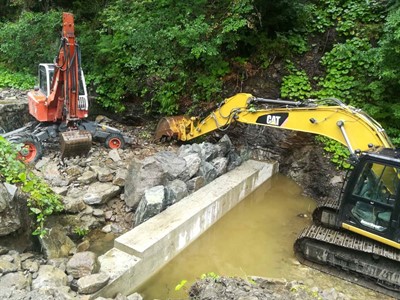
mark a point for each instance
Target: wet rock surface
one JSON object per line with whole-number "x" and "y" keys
{"x": 9, "y": 213}
{"x": 300, "y": 157}
{"x": 13, "y": 109}
{"x": 255, "y": 288}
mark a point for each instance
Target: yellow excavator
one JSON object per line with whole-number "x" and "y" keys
{"x": 355, "y": 237}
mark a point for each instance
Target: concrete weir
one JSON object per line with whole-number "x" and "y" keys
{"x": 144, "y": 250}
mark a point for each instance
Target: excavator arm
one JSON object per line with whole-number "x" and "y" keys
{"x": 345, "y": 124}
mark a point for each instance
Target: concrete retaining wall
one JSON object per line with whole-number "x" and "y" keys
{"x": 141, "y": 252}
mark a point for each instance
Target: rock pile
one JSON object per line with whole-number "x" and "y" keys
{"x": 157, "y": 182}
{"x": 13, "y": 109}
{"x": 226, "y": 288}
{"x": 113, "y": 190}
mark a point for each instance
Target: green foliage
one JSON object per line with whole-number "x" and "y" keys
{"x": 80, "y": 231}
{"x": 349, "y": 69}
{"x": 17, "y": 80}
{"x": 356, "y": 66}
{"x": 209, "y": 275}
{"x": 300, "y": 287}
{"x": 296, "y": 85}
{"x": 279, "y": 16}
{"x": 339, "y": 154}
{"x": 181, "y": 285}
{"x": 281, "y": 46}
{"x": 348, "y": 17}
{"x": 42, "y": 201}
{"x": 389, "y": 71}
{"x": 32, "y": 39}
{"x": 162, "y": 51}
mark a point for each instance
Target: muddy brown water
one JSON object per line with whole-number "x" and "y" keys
{"x": 254, "y": 238}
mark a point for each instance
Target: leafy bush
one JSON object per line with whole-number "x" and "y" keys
{"x": 349, "y": 68}
{"x": 339, "y": 154}
{"x": 42, "y": 201}
{"x": 389, "y": 67}
{"x": 17, "y": 80}
{"x": 164, "y": 50}
{"x": 32, "y": 39}
{"x": 296, "y": 85}
{"x": 348, "y": 17}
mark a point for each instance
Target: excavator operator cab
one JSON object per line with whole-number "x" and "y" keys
{"x": 46, "y": 73}
{"x": 371, "y": 200}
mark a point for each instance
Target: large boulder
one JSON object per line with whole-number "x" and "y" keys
{"x": 224, "y": 146}
{"x": 142, "y": 175}
{"x": 49, "y": 276}
{"x": 56, "y": 243}
{"x": 207, "y": 171}
{"x": 83, "y": 264}
{"x": 208, "y": 151}
{"x": 120, "y": 177}
{"x": 195, "y": 183}
{"x": 150, "y": 205}
{"x": 234, "y": 160}
{"x": 174, "y": 191}
{"x": 73, "y": 202}
{"x": 87, "y": 177}
{"x": 193, "y": 162}
{"x": 172, "y": 164}
{"x": 9, "y": 209}
{"x": 7, "y": 266}
{"x": 13, "y": 109}
{"x": 90, "y": 284}
{"x": 103, "y": 174}
{"x": 100, "y": 193}
{"x": 52, "y": 174}
{"x": 220, "y": 164}
{"x": 15, "y": 281}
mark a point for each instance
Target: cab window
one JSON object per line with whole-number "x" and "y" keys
{"x": 43, "y": 79}
{"x": 375, "y": 191}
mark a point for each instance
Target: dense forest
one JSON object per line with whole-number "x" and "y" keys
{"x": 176, "y": 56}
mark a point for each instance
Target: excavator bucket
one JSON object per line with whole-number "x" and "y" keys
{"x": 169, "y": 128}
{"x": 75, "y": 143}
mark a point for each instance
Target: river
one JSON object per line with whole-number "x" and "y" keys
{"x": 254, "y": 238}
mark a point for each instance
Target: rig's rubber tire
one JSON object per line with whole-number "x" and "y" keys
{"x": 115, "y": 141}
{"x": 32, "y": 149}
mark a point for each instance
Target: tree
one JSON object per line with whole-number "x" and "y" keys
{"x": 389, "y": 64}
{"x": 165, "y": 50}
{"x": 32, "y": 39}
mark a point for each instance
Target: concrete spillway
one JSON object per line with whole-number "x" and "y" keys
{"x": 144, "y": 250}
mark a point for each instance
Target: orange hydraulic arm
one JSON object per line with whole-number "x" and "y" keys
{"x": 61, "y": 105}
{"x": 65, "y": 84}
{"x": 343, "y": 123}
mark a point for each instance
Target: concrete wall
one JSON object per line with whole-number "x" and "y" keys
{"x": 141, "y": 252}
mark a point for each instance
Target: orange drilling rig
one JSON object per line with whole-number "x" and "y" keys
{"x": 60, "y": 106}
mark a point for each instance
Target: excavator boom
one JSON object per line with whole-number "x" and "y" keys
{"x": 340, "y": 122}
